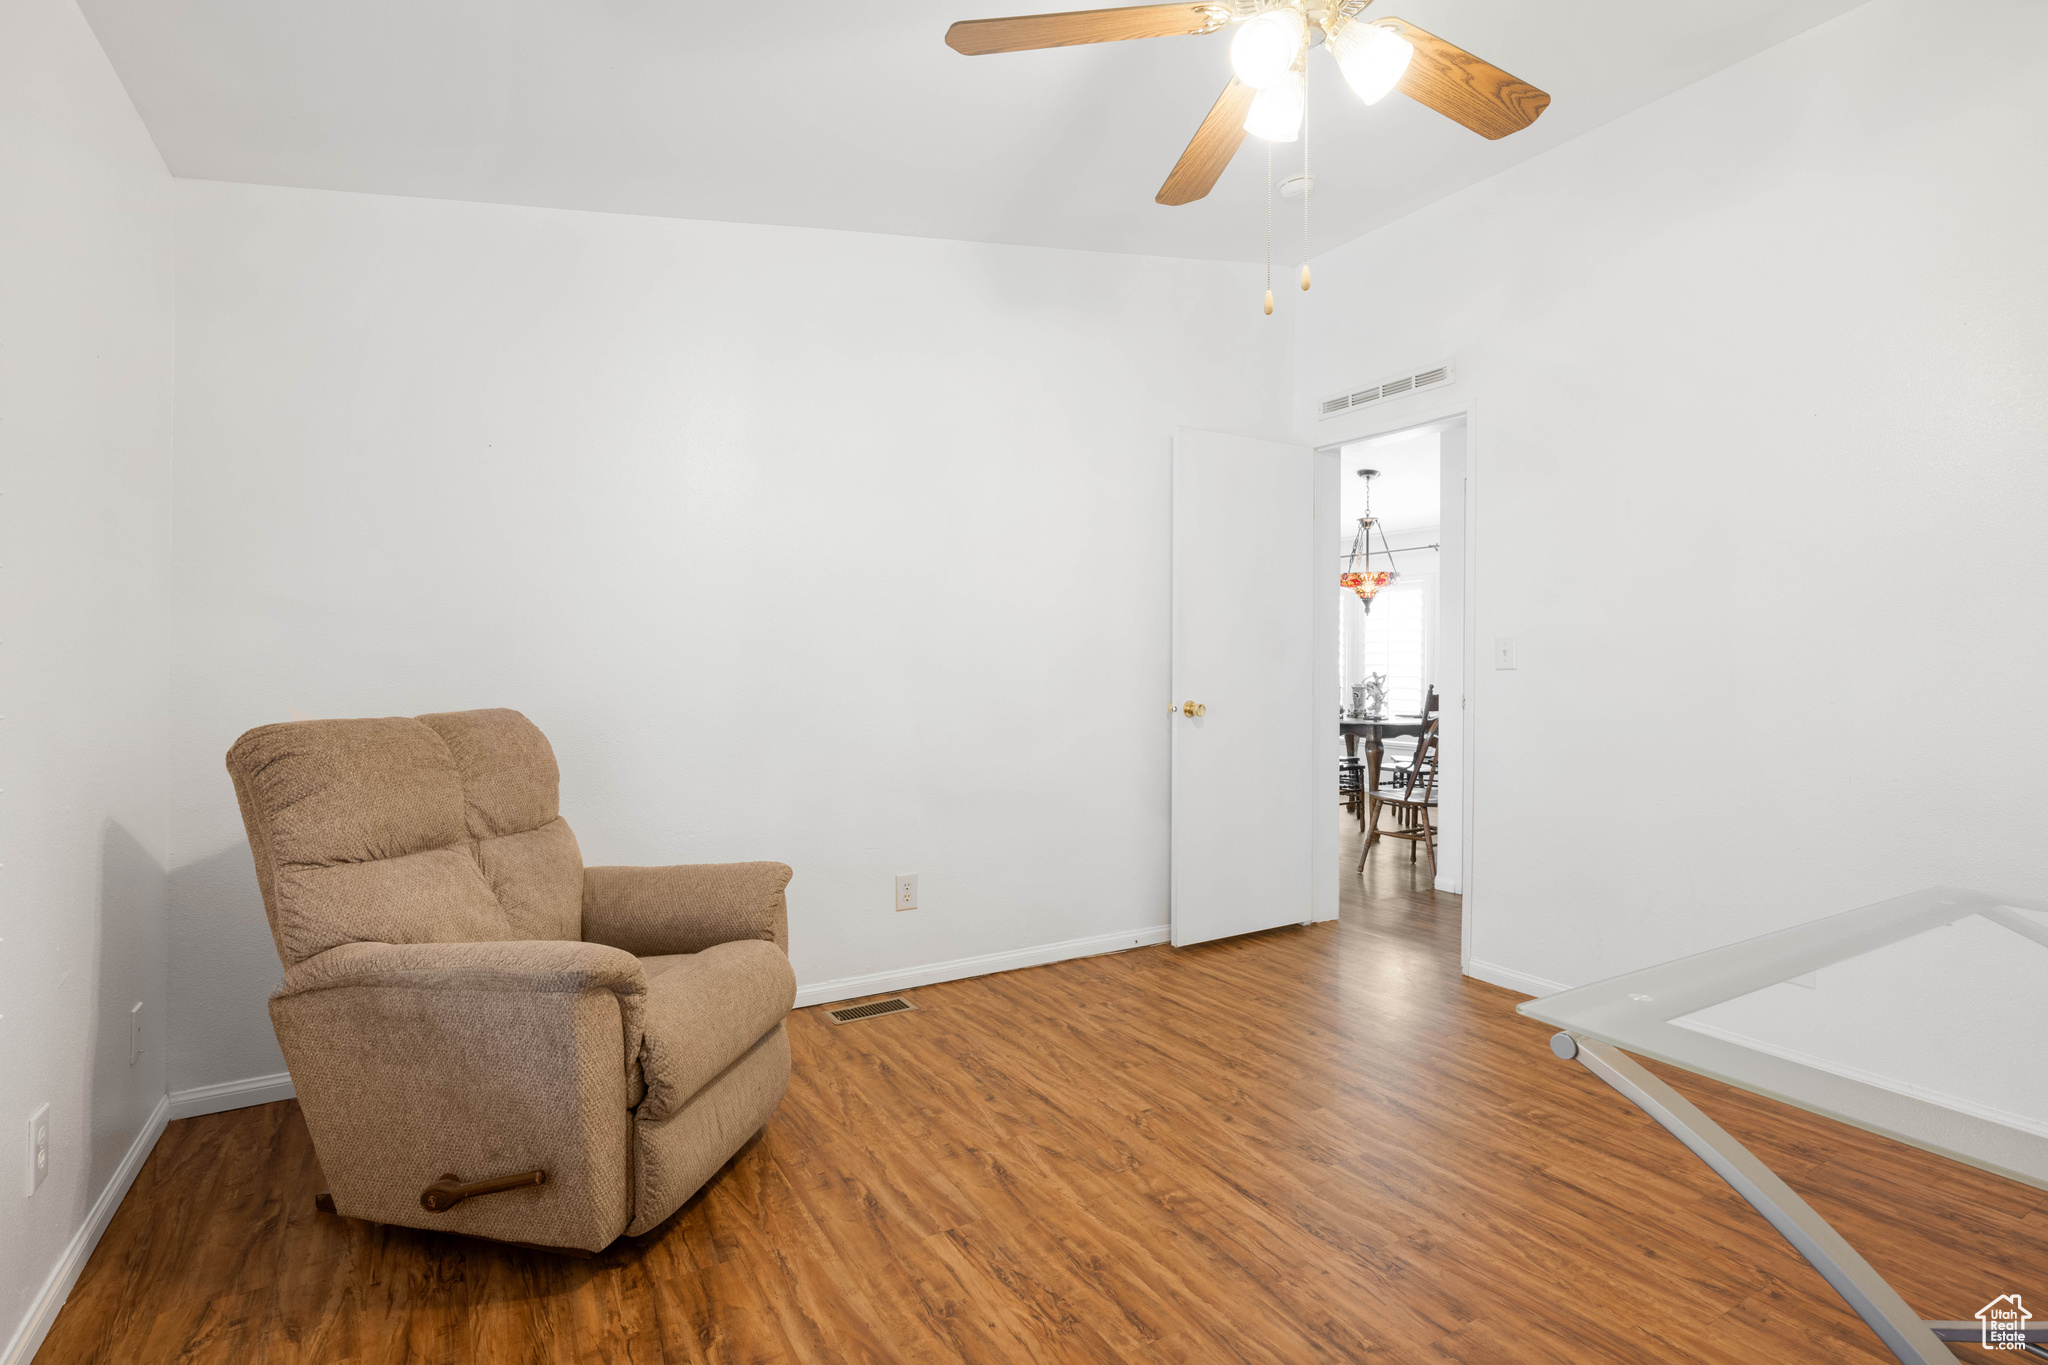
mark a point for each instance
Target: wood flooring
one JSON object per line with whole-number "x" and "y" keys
{"x": 1315, "y": 1144}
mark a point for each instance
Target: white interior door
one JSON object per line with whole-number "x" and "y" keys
{"x": 1244, "y": 599}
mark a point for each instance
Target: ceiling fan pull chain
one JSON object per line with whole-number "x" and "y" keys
{"x": 1305, "y": 182}
{"x": 1269, "y": 229}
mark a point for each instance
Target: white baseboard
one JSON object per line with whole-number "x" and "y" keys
{"x": 878, "y": 983}
{"x": 42, "y": 1311}
{"x": 1507, "y": 977}
{"x": 211, "y": 1099}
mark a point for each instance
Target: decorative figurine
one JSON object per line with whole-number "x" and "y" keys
{"x": 1369, "y": 698}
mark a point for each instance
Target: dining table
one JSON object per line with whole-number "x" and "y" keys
{"x": 1375, "y": 732}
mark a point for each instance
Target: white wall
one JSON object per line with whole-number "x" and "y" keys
{"x": 1756, "y": 374}
{"x": 86, "y": 357}
{"x": 845, "y": 550}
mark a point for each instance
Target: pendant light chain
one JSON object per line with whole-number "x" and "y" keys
{"x": 1304, "y": 175}
{"x": 1269, "y": 229}
{"x": 1359, "y": 574}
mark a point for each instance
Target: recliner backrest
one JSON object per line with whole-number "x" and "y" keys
{"x": 438, "y": 829}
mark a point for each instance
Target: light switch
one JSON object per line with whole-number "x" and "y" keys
{"x": 1503, "y": 651}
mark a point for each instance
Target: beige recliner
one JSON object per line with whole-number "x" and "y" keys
{"x": 465, "y": 1002}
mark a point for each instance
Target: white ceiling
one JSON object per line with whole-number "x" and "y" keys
{"x": 832, "y": 116}
{"x": 1406, "y": 496}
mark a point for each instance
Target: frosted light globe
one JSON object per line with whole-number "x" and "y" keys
{"x": 1276, "y": 111}
{"x": 1373, "y": 59}
{"x": 1265, "y": 47}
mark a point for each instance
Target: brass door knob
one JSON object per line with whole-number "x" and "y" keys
{"x": 1191, "y": 709}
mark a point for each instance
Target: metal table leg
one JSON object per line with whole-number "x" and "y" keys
{"x": 1912, "y": 1340}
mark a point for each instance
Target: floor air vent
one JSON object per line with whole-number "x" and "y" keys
{"x": 895, "y": 1004}
{"x": 1435, "y": 377}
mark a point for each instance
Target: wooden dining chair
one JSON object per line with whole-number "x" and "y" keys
{"x": 1413, "y": 801}
{"x": 1351, "y": 786}
{"x": 1402, "y": 751}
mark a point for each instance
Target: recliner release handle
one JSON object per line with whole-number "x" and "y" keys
{"x": 450, "y": 1190}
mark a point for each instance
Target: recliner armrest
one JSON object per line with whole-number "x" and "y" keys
{"x": 548, "y": 966}
{"x": 511, "y": 965}
{"x": 653, "y": 911}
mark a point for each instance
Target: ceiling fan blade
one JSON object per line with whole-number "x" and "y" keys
{"x": 1024, "y": 32}
{"x": 1463, "y": 88}
{"x": 1211, "y": 148}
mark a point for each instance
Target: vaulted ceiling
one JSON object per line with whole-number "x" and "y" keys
{"x": 858, "y": 118}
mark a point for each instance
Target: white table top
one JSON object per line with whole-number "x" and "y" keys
{"x": 1923, "y": 1018}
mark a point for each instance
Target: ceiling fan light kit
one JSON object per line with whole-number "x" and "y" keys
{"x": 1267, "y": 93}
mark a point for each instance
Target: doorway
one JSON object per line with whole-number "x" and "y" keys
{"x": 1401, "y": 644}
{"x": 1259, "y": 655}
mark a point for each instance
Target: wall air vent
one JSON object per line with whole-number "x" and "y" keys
{"x": 1400, "y": 386}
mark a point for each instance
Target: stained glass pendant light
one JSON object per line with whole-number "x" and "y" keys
{"x": 1359, "y": 574}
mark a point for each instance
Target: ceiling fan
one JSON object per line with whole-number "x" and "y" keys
{"x": 1268, "y": 59}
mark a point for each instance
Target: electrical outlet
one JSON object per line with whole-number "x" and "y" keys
{"x": 906, "y": 892}
{"x": 135, "y": 1034}
{"x": 38, "y": 1147}
{"x": 1503, "y": 651}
